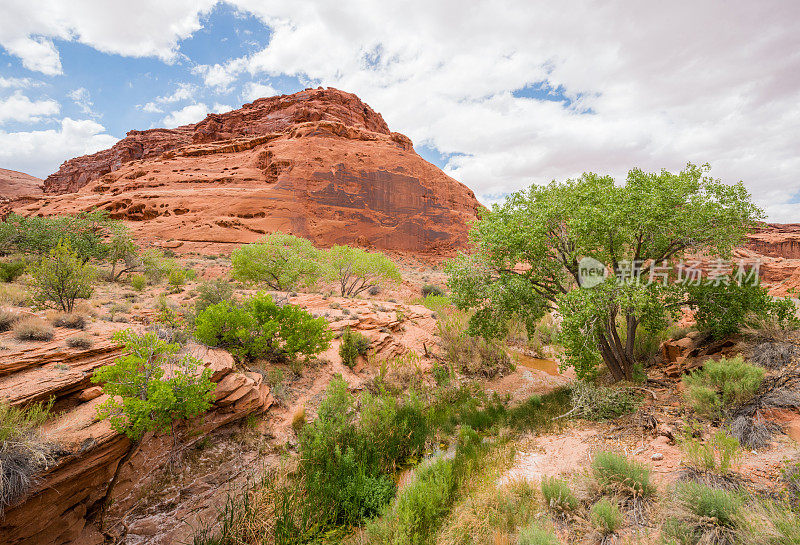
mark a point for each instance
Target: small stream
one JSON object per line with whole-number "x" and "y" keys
{"x": 548, "y": 366}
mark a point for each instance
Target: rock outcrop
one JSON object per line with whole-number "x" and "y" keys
{"x": 66, "y": 497}
{"x": 14, "y": 185}
{"x": 319, "y": 164}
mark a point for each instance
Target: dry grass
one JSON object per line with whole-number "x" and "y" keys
{"x": 774, "y": 355}
{"x": 70, "y": 321}
{"x": 33, "y": 329}
{"x": 14, "y": 296}
{"x": 80, "y": 341}
{"x": 7, "y": 319}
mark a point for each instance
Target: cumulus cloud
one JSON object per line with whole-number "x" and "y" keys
{"x": 39, "y": 153}
{"x": 18, "y": 83}
{"x": 184, "y": 91}
{"x": 83, "y": 99}
{"x": 19, "y": 107}
{"x": 192, "y": 114}
{"x": 149, "y": 28}
{"x": 253, "y": 90}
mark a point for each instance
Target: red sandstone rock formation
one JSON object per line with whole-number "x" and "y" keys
{"x": 319, "y": 163}
{"x": 15, "y": 184}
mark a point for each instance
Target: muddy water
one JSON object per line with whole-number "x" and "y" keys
{"x": 548, "y": 366}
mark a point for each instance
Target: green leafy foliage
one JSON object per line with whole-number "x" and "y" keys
{"x": 357, "y": 270}
{"x": 431, "y": 290}
{"x": 211, "y": 293}
{"x": 529, "y": 249}
{"x": 354, "y": 344}
{"x": 150, "y": 399}
{"x": 721, "y": 385}
{"x": 61, "y": 277}
{"x": 282, "y": 262}
{"x": 260, "y": 329}
{"x": 346, "y": 462}
{"x": 11, "y": 270}
{"x": 716, "y": 455}
{"x": 725, "y": 308}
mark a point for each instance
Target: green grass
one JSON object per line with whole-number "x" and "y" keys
{"x": 534, "y": 534}
{"x": 616, "y": 474}
{"x": 557, "y": 495}
{"x": 606, "y": 516}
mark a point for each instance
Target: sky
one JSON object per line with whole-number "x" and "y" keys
{"x": 499, "y": 94}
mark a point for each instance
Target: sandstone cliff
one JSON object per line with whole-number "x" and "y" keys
{"x": 15, "y": 184}
{"x": 319, "y": 164}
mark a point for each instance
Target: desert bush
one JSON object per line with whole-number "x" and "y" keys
{"x": 716, "y": 455}
{"x": 726, "y": 308}
{"x": 534, "y": 534}
{"x": 774, "y": 355}
{"x": 14, "y": 296}
{"x": 473, "y": 356}
{"x": 557, "y": 495}
{"x": 11, "y": 270}
{"x": 142, "y": 397}
{"x": 429, "y": 289}
{"x": 80, "y": 341}
{"x": 60, "y": 278}
{"x": 346, "y": 462}
{"x": 33, "y": 329}
{"x": 70, "y": 321}
{"x": 606, "y": 516}
{"x": 7, "y": 319}
{"x": 753, "y": 432}
{"x": 138, "y": 282}
{"x": 354, "y": 344}
{"x": 357, "y": 270}
{"x": 23, "y": 450}
{"x": 282, "y": 262}
{"x": 614, "y": 473}
{"x": 211, "y": 293}
{"x": 260, "y": 329}
{"x": 601, "y": 402}
{"x": 705, "y": 515}
{"x": 721, "y": 385}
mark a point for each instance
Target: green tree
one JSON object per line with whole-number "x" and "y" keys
{"x": 122, "y": 252}
{"x": 528, "y": 252}
{"x": 279, "y": 261}
{"x": 260, "y": 329}
{"x": 61, "y": 277}
{"x": 357, "y": 270}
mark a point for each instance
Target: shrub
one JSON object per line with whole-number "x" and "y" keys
{"x": 354, "y": 344}
{"x": 33, "y": 329}
{"x": 14, "y": 296}
{"x": 725, "y": 308}
{"x": 23, "y": 451}
{"x": 260, "y": 329}
{"x": 80, "y": 341}
{"x": 70, "y": 321}
{"x": 614, "y": 473}
{"x": 601, "y": 402}
{"x": 211, "y": 293}
{"x": 557, "y": 495}
{"x": 606, "y": 516}
{"x": 429, "y": 289}
{"x": 357, "y": 270}
{"x": 473, "y": 356}
{"x": 721, "y": 385}
{"x": 533, "y": 534}
{"x": 11, "y": 270}
{"x": 149, "y": 400}
{"x": 774, "y": 355}
{"x": 138, "y": 282}
{"x": 716, "y": 455}
{"x": 61, "y": 278}
{"x": 346, "y": 461}
{"x": 706, "y": 515}
{"x": 280, "y": 261}
{"x": 7, "y": 319}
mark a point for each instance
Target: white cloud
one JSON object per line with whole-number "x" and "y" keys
{"x": 253, "y": 90}
{"x": 39, "y": 153}
{"x": 188, "y": 114}
{"x": 184, "y": 91}
{"x": 18, "y": 83}
{"x": 19, "y": 107}
{"x": 148, "y": 28}
{"x": 218, "y": 76}
{"x": 83, "y": 99}
{"x": 663, "y": 84}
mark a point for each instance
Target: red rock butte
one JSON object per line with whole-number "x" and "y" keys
{"x": 319, "y": 164}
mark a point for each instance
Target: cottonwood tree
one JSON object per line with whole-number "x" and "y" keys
{"x": 61, "y": 277}
{"x": 279, "y": 261}
{"x": 357, "y": 270}
{"x": 528, "y": 251}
